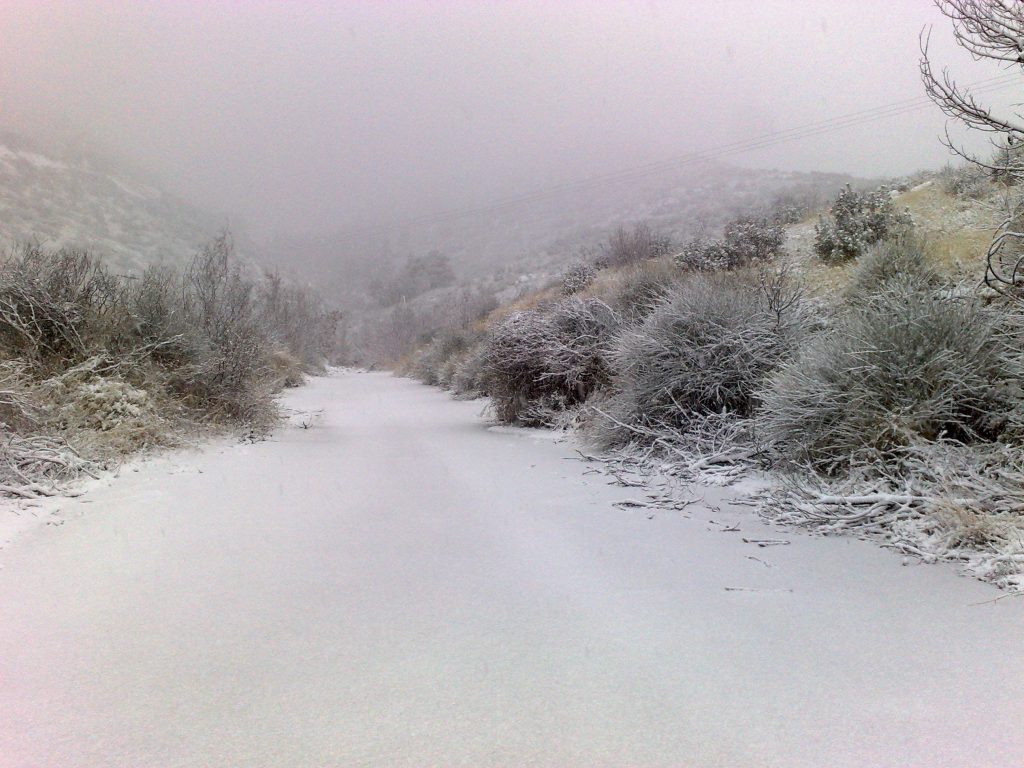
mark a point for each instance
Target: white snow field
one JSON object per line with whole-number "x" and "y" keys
{"x": 399, "y": 585}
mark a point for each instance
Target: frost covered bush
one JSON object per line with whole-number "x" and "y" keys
{"x": 297, "y": 321}
{"x": 631, "y": 246}
{"x": 633, "y": 293}
{"x": 56, "y": 308}
{"x": 226, "y": 373}
{"x": 856, "y": 221}
{"x": 106, "y": 417}
{"x": 106, "y": 404}
{"x": 576, "y": 277}
{"x": 900, "y": 258}
{"x": 704, "y": 254}
{"x": 905, "y": 365}
{"x": 434, "y": 364}
{"x": 19, "y": 409}
{"x": 540, "y": 361}
{"x": 111, "y": 364}
{"x": 744, "y": 242}
{"x": 965, "y": 181}
{"x": 467, "y": 377}
{"x": 706, "y": 350}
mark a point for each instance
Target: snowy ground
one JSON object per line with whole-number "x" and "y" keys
{"x": 398, "y": 585}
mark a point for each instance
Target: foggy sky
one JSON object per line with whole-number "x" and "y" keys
{"x": 316, "y": 116}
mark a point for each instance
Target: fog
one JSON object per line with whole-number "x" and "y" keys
{"x": 314, "y": 117}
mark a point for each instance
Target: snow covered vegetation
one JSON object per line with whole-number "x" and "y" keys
{"x": 74, "y": 200}
{"x": 867, "y": 369}
{"x": 95, "y": 366}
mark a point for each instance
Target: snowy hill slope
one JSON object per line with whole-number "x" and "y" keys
{"x": 533, "y": 241}
{"x": 77, "y": 202}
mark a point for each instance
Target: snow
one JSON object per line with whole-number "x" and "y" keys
{"x": 41, "y": 161}
{"x": 390, "y": 582}
{"x": 135, "y": 190}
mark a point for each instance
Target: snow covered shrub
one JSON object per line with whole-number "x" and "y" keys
{"x": 705, "y": 351}
{"x": 965, "y": 181}
{"x": 744, "y": 242}
{"x": 227, "y": 374}
{"x": 467, "y": 378}
{"x": 857, "y": 220}
{"x": 580, "y": 330}
{"x": 704, "y": 254}
{"x": 576, "y": 277}
{"x": 751, "y": 241}
{"x": 19, "y": 408}
{"x": 296, "y": 320}
{"x": 905, "y": 365}
{"x": 512, "y": 366}
{"x": 430, "y": 365}
{"x": 154, "y": 303}
{"x": 1007, "y": 165}
{"x": 107, "y": 403}
{"x": 634, "y": 292}
{"x": 56, "y": 308}
{"x": 903, "y": 257}
{"x": 540, "y": 361}
{"x": 286, "y": 368}
{"x": 104, "y": 417}
{"x": 627, "y": 246}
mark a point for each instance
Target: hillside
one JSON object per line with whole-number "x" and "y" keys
{"x": 529, "y": 242}
{"x": 76, "y": 201}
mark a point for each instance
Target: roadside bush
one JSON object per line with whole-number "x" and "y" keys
{"x": 57, "y": 308}
{"x": 706, "y": 350}
{"x": 19, "y": 410}
{"x": 431, "y": 363}
{"x": 634, "y": 292}
{"x": 905, "y": 365}
{"x": 468, "y": 373}
{"x": 227, "y": 374}
{"x": 856, "y": 221}
{"x": 112, "y": 364}
{"x": 297, "y": 321}
{"x": 538, "y": 362}
{"x": 704, "y": 254}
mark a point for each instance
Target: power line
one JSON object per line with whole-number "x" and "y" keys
{"x": 763, "y": 141}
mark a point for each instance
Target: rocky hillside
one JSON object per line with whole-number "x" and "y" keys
{"x": 77, "y": 201}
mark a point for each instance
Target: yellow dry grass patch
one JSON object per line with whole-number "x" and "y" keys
{"x": 924, "y": 199}
{"x": 960, "y": 254}
{"x": 528, "y": 301}
{"x": 821, "y": 279}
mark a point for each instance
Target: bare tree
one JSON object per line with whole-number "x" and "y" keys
{"x": 990, "y": 30}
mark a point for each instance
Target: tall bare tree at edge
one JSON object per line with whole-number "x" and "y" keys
{"x": 990, "y": 30}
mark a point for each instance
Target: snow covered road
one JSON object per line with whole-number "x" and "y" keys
{"x": 399, "y": 585}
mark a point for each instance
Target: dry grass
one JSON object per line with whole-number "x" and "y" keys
{"x": 526, "y": 302}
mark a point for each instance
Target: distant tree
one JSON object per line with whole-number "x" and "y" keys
{"x": 744, "y": 241}
{"x": 629, "y": 246}
{"x": 856, "y": 221}
{"x": 418, "y": 275}
{"x": 989, "y": 30}
{"x": 425, "y": 273}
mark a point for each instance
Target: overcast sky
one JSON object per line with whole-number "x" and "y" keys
{"x": 314, "y": 116}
